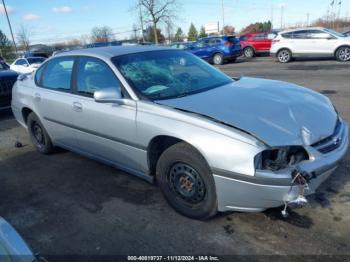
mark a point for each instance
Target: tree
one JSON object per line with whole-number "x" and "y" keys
{"x": 192, "y": 33}
{"x": 23, "y": 36}
{"x": 202, "y": 32}
{"x": 257, "y": 27}
{"x": 229, "y": 30}
{"x": 159, "y": 11}
{"x": 179, "y": 35}
{"x": 5, "y": 45}
{"x": 102, "y": 34}
{"x": 149, "y": 35}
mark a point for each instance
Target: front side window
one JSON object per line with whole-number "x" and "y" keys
{"x": 94, "y": 74}
{"x": 168, "y": 74}
{"x": 21, "y": 62}
{"x": 58, "y": 73}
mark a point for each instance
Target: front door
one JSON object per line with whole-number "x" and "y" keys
{"x": 104, "y": 130}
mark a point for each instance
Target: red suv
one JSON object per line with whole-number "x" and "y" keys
{"x": 256, "y": 43}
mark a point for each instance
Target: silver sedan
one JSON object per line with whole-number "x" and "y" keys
{"x": 212, "y": 143}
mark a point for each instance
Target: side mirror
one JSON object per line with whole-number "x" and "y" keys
{"x": 109, "y": 95}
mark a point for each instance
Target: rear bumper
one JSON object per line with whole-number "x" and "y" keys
{"x": 268, "y": 189}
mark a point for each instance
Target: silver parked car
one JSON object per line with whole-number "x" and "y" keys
{"x": 211, "y": 142}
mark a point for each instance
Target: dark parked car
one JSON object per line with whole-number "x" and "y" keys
{"x": 7, "y": 79}
{"x": 255, "y": 43}
{"x": 217, "y": 49}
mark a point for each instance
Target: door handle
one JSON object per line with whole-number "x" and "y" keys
{"x": 78, "y": 107}
{"x": 37, "y": 97}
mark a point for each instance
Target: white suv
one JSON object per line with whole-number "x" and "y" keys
{"x": 310, "y": 42}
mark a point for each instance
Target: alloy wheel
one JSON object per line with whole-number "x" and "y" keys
{"x": 283, "y": 56}
{"x": 344, "y": 54}
{"x": 217, "y": 59}
{"x": 248, "y": 52}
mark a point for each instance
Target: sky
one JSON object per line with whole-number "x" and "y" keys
{"x": 52, "y": 21}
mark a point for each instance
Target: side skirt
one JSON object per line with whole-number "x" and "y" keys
{"x": 120, "y": 166}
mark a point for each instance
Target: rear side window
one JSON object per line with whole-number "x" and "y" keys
{"x": 58, "y": 74}
{"x": 303, "y": 34}
{"x": 260, "y": 36}
{"x": 94, "y": 74}
{"x": 288, "y": 35}
{"x": 233, "y": 39}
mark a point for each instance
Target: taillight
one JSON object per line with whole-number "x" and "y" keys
{"x": 228, "y": 44}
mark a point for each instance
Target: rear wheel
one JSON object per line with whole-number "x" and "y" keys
{"x": 284, "y": 56}
{"x": 249, "y": 52}
{"x": 343, "y": 54}
{"x": 38, "y": 135}
{"x": 187, "y": 182}
{"x": 218, "y": 59}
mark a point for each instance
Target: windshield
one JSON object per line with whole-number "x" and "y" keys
{"x": 168, "y": 74}
{"x": 334, "y": 33}
{"x": 35, "y": 60}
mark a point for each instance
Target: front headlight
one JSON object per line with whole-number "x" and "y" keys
{"x": 279, "y": 158}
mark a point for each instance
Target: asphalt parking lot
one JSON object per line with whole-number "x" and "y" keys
{"x": 66, "y": 204}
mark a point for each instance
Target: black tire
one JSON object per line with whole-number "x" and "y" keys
{"x": 343, "y": 54}
{"x": 186, "y": 181}
{"x": 284, "y": 56}
{"x": 248, "y": 52}
{"x": 218, "y": 59}
{"x": 38, "y": 135}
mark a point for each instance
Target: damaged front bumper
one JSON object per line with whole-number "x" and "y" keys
{"x": 268, "y": 189}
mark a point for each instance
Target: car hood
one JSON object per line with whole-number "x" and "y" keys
{"x": 8, "y": 73}
{"x": 276, "y": 112}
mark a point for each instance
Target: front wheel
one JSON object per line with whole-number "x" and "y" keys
{"x": 218, "y": 59}
{"x": 38, "y": 135}
{"x": 284, "y": 56}
{"x": 187, "y": 182}
{"x": 343, "y": 54}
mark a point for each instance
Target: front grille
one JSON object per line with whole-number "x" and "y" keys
{"x": 331, "y": 142}
{"x": 6, "y": 85}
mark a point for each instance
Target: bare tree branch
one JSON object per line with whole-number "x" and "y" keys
{"x": 23, "y": 36}
{"x": 159, "y": 11}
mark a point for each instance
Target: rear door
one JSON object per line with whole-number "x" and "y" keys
{"x": 104, "y": 130}
{"x": 53, "y": 99}
{"x": 302, "y": 42}
{"x": 259, "y": 42}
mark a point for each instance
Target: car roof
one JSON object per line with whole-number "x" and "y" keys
{"x": 108, "y": 52}
{"x": 301, "y": 28}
